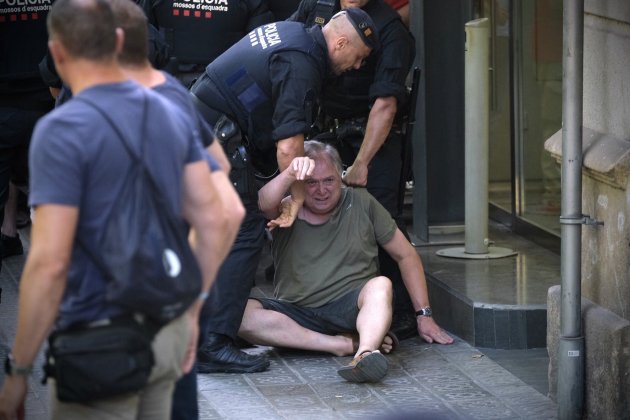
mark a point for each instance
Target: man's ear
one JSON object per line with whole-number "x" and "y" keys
{"x": 120, "y": 40}
{"x": 341, "y": 42}
{"x": 57, "y": 52}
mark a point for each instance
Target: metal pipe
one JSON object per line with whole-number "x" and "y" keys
{"x": 477, "y": 131}
{"x": 571, "y": 347}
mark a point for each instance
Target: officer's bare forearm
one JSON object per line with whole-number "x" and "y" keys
{"x": 378, "y": 127}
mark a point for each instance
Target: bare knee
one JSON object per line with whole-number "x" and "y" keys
{"x": 379, "y": 288}
{"x": 249, "y": 316}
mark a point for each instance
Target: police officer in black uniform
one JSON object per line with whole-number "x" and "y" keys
{"x": 362, "y": 113}
{"x": 199, "y": 31}
{"x": 259, "y": 95}
{"x": 24, "y": 97}
{"x": 282, "y": 9}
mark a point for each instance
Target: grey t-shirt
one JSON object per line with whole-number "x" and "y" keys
{"x": 316, "y": 264}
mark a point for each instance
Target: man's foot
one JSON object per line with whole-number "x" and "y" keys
{"x": 10, "y": 245}
{"x": 370, "y": 366}
{"x": 219, "y": 354}
{"x": 389, "y": 344}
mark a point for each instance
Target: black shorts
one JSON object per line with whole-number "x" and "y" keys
{"x": 336, "y": 317}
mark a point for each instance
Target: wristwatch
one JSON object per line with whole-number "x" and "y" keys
{"x": 426, "y": 311}
{"x": 10, "y": 368}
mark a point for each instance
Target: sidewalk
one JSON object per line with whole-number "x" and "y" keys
{"x": 425, "y": 380}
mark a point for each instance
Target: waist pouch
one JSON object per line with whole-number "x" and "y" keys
{"x": 102, "y": 361}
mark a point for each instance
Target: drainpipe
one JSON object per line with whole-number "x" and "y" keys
{"x": 571, "y": 346}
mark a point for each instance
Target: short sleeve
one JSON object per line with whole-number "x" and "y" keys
{"x": 55, "y": 165}
{"x": 397, "y": 52}
{"x": 296, "y": 83}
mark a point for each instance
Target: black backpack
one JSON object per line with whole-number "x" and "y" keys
{"x": 144, "y": 253}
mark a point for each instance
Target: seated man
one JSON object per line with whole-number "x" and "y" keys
{"x": 327, "y": 287}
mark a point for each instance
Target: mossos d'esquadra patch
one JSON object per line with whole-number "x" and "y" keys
{"x": 265, "y": 36}
{"x": 184, "y": 7}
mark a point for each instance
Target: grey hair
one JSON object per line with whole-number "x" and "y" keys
{"x": 316, "y": 149}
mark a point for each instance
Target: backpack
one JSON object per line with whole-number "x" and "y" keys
{"x": 144, "y": 253}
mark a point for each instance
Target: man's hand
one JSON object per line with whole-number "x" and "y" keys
{"x": 298, "y": 170}
{"x": 191, "y": 348}
{"x": 289, "y": 210}
{"x": 301, "y": 167}
{"x": 12, "y": 397}
{"x": 356, "y": 175}
{"x": 431, "y": 332}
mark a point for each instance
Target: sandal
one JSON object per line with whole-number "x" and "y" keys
{"x": 369, "y": 366}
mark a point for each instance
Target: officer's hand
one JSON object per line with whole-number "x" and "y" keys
{"x": 356, "y": 175}
{"x": 301, "y": 167}
{"x": 289, "y": 210}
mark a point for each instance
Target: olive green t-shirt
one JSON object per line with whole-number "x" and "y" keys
{"x": 316, "y": 264}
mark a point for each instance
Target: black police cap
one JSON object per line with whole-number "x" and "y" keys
{"x": 364, "y": 25}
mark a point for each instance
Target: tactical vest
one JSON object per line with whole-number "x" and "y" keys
{"x": 198, "y": 32}
{"x": 23, "y": 38}
{"x": 241, "y": 75}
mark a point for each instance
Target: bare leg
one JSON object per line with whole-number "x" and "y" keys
{"x": 375, "y": 313}
{"x": 271, "y": 328}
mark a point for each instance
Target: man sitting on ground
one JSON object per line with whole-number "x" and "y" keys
{"x": 326, "y": 286}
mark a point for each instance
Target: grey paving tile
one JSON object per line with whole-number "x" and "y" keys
{"x": 207, "y": 382}
{"x": 484, "y": 408}
{"x": 242, "y": 397}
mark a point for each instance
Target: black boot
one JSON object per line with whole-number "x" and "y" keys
{"x": 219, "y": 354}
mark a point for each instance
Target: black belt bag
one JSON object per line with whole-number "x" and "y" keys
{"x": 95, "y": 362}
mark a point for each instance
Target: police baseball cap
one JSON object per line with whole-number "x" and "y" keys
{"x": 364, "y": 25}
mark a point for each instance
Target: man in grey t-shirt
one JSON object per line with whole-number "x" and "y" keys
{"x": 327, "y": 286}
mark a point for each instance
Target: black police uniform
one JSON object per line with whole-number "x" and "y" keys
{"x": 24, "y": 97}
{"x": 346, "y": 103}
{"x": 198, "y": 32}
{"x": 264, "y": 83}
{"x": 282, "y": 9}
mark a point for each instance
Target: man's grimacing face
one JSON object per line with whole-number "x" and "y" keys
{"x": 323, "y": 187}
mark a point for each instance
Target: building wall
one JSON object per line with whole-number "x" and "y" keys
{"x": 605, "y": 197}
{"x": 606, "y": 250}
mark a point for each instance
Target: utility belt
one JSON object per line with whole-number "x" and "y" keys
{"x": 348, "y": 128}
{"x": 235, "y": 146}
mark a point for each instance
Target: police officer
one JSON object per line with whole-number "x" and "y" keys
{"x": 199, "y": 31}
{"x": 258, "y": 95}
{"x": 282, "y": 9}
{"x": 362, "y": 114}
{"x": 24, "y": 98}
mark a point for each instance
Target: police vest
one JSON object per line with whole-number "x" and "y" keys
{"x": 199, "y": 31}
{"x": 23, "y": 44}
{"x": 241, "y": 75}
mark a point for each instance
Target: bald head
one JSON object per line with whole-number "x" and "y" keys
{"x": 347, "y": 49}
{"x": 85, "y": 28}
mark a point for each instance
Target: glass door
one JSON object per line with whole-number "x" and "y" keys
{"x": 538, "y": 109}
{"x": 500, "y": 179}
{"x": 526, "y": 108}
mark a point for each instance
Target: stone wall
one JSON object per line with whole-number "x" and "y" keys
{"x": 605, "y": 197}
{"x": 607, "y": 358}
